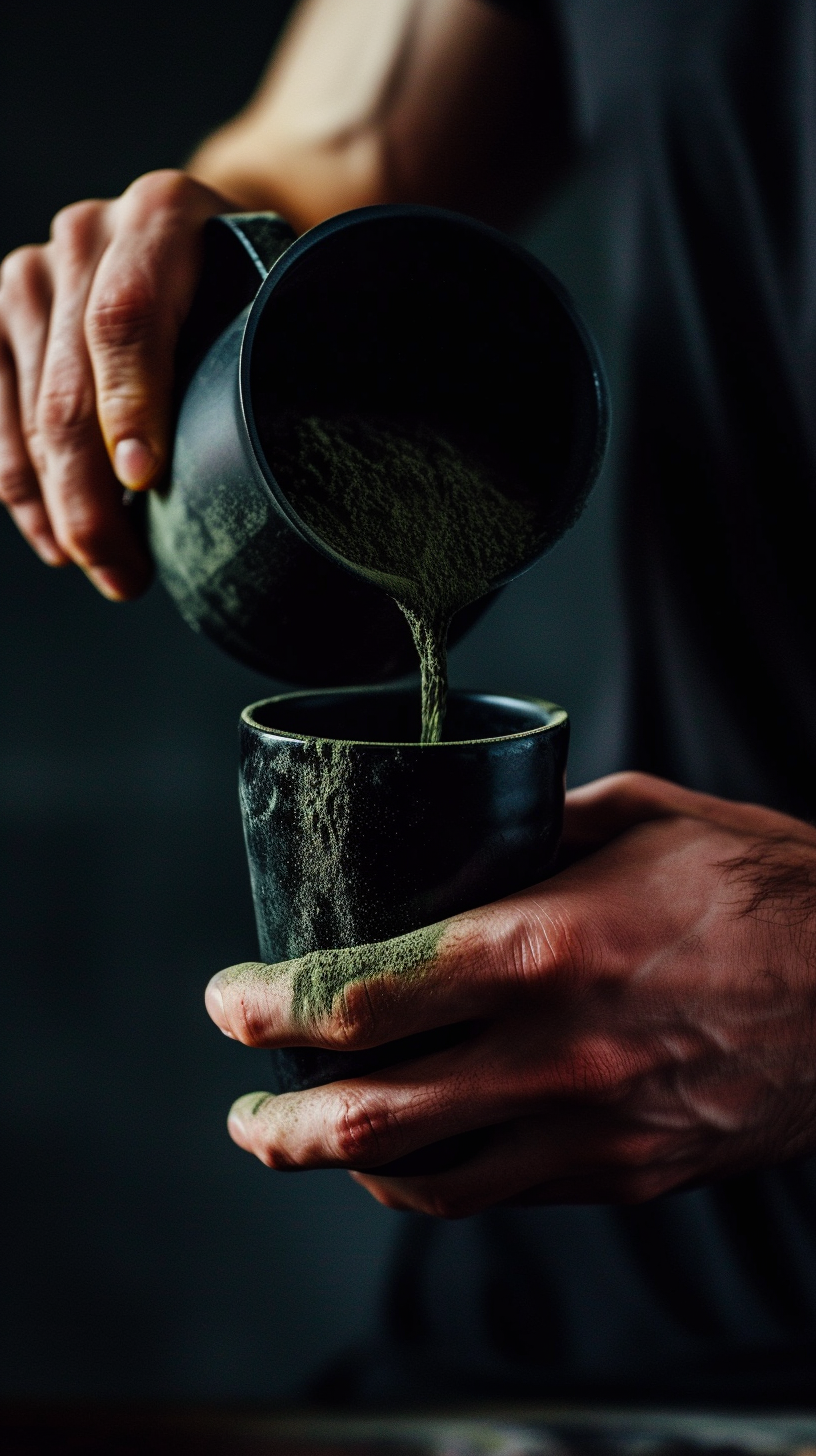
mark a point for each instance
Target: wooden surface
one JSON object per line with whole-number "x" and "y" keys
{"x": 169, "y": 1431}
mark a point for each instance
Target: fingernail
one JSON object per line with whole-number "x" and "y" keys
{"x": 214, "y": 1002}
{"x": 107, "y": 582}
{"x": 245, "y": 1109}
{"x": 134, "y": 463}
{"x": 49, "y": 552}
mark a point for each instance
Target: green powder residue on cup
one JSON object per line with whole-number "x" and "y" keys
{"x": 414, "y": 513}
{"x": 327, "y": 890}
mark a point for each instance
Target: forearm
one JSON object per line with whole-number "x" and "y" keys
{"x": 448, "y": 102}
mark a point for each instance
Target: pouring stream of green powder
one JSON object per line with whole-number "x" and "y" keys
{"x": 417, "y": 516}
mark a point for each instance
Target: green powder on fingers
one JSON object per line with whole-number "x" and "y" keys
{"x": 318, "y": 980}
{"x": 416, "y": 515}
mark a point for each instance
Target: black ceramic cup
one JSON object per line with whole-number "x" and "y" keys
{"x": 406, "y": 835}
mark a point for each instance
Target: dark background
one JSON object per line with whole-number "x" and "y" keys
{"x": 143, "y": 1254}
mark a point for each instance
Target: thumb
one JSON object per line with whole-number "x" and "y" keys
{"x": 600, "y": 811}
{"x": 141, "y": 294}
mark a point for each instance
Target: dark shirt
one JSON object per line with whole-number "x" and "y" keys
{"x": 708, "y": 107}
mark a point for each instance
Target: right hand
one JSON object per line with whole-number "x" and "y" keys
{"x": 88, "y": 329}
{"x": 645, "y": 1020}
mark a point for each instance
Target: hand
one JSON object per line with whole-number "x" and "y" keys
{"x": 647, "y": 1020}
{"x": 88, "y": 328}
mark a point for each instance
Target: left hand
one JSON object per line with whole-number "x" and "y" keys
{"x": 647, "y": 1020}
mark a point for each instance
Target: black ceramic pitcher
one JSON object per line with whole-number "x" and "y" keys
{"x": 406, "y": 312}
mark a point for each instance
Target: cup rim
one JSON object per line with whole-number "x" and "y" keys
{"x": 558, "y": 716}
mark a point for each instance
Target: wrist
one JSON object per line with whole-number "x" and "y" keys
{"x": 226, "y": 163}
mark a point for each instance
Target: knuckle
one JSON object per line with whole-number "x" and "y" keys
{"x": 630, "y": 779}
{"x": 631, "y": 788}
{"x": 65, "y": 410}
{"x": 16, "y": 483}
{"x": 21, "y": 272}
{"x": 246, "y": 1016}
{"x": 548, "y": 943}
{"x": 121, "y": 316}
{"x": 278, "y": 1159}
{"x": 73, "y": 227}
{"x": 361, "y": 1131}
{"x": 165, "y": 189}
{"x": 353, "y": 1019}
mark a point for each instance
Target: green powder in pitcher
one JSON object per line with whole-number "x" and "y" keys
{"x": 415, "y": 514}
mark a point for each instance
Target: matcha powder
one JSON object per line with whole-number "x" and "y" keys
{"x": 414, "y": 514}
{"x": 321, "y": 978}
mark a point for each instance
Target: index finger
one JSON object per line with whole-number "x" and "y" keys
{"x": 141, "y": 294}
{"x": 365, "y": 995}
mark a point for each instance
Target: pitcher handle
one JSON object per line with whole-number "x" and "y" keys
{"x": 240, "y": 248}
